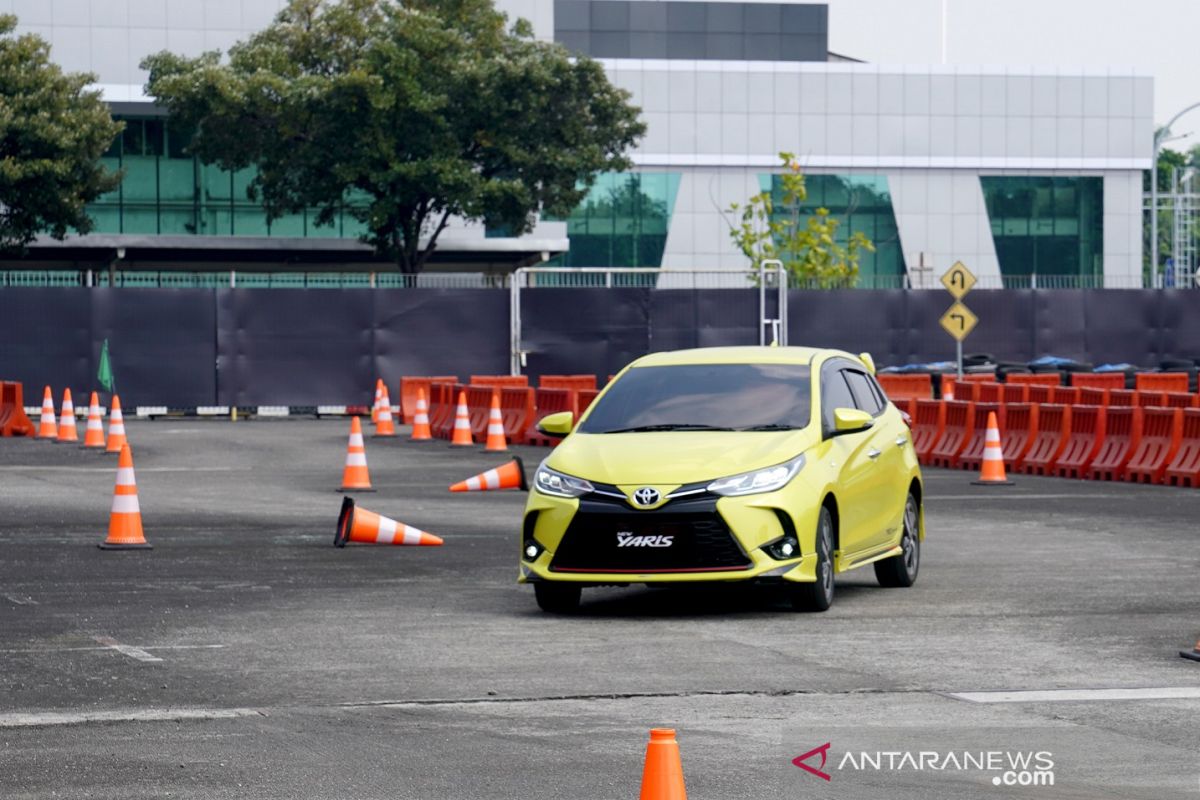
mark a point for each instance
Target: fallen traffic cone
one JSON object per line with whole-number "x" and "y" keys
{"x": 662, "y": 778}
{"x": 125, "y": 521}
{"x": 359, "y": 525}
{"x": 355, "y": 477}
{"x": 421, "y": 431}
{"x": 93, "y": 434}
{"x": 378, "y": 399}
{"x": 991, "y": 471}
{"x": 509, "y": 476}
{"x": 66, "y": 421}
{"x": 47, "y": 427}
{"x": 462, "y": 424}
{"x": 384, "y": 425}
{"x": 496, "y": 442}
{"x": 116, "y": 427}
{"x": 1193, "y": 654}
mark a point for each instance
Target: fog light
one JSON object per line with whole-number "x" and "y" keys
{"x": 531, "y": 550}
{"x": 783, "y": 549}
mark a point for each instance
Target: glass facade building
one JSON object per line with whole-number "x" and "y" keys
{"x": 1046, "y": 225}
{"x": 623, "y": 221}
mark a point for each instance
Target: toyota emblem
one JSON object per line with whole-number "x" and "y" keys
{"x": 646, "y": 496}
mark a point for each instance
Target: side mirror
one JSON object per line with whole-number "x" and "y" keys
{"x": 559, "y": 424}
{"x": 850, "y": 420}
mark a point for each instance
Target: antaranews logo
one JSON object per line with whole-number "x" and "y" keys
{"x": 1017, "y": 768}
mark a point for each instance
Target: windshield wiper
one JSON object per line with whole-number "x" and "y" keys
{"x": 774, "y": 426}
{"x": 668, "y": 426}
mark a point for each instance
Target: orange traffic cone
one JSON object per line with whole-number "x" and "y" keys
{"x": 360, "y": 525}
{"x": 496, "y": 442}
{"x": 509, "y": 476}
{"x": 991, "y": 471}
{"x": 355, "y": 477}
{"x": 378, "y": 400}
{"x": 462, "y": 424}
{"x": 1193, "y": 654}
{"x": 384, "y": 425}
{"x": 47, "y": 427}
{"x": 125, "y": 521}
{"x": 662, "y": 778}
{"x": 66, "y": 421}
{"x": 93, "y": 434}
{"x": 421, "y": 431}
{"x": 116, "y": 427}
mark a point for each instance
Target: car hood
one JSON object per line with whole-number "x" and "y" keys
{"x": 674, "y": 457}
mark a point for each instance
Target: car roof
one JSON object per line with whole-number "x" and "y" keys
{"x": 738, "y": 355}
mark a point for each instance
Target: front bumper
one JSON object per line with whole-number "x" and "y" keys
{"x": 712, "y": 539}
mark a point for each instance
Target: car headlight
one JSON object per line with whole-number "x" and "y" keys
{"x": 558, "y": 484}
{"x": 758, "y": 481}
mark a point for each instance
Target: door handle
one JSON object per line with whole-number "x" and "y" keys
{"x": 873, "y": 454}
{"x": 901, "y": 441}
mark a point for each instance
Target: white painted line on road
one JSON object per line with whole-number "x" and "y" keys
{"x": 1080, "y": 695}
{"x": 21, "y": 601}
{"x": 45, "y": 718}
{"x": 126, "y": 649}
{"x": 20, "y": 650}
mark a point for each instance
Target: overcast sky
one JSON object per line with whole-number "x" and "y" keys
{"x": 1155, "y": 37}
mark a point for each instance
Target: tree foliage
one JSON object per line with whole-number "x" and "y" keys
{"x": 404, "y": 113}
{"x": 52, "y": 134}
{"x": 805, "y": 242}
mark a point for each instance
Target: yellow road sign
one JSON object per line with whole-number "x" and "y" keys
{"x": 959, "y": 321}
{"x": 958, "y": 280}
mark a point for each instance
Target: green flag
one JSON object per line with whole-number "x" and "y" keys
{"x": 105, "y": 375}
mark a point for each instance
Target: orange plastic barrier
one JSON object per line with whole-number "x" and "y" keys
{"x": 1148, "y": 399}
{"x": 1180, "y": 400}
{"x": 989, "y": 393}
{"x": 906, "y": 387}
{"x": 500, "y": 380}
{"x": 442, "y": 408}
{"x": 971, "y": 456}
{"x": 1015, "y": 393}
{"x": 1161, "y": 382}
{"x": 1064, "y": 395}
{"x": 1054, "y": 423}
{"x": 1034, "y": 379}
{"x": 1020, "y": 425}
{"x": 1089, "y": 396}
{"x": 949, "y": 379}
{"x": 1098, "y": 380}
{"x": 579, "y": 383}
{"x": 1121, "y": 397}
{"x": 960, "y": 420}
{"x": 517, "y": 410}
{"x": 1184, "y": 469}
{"x": 1122, "y": 435}
{"x": 551, "y": 401}
{"x": 13, "y": 420}
{"x": 585, "y": 398}
{"x": 1162, "y": 432}
{"x": 1084, "y": 440}
{"x": 964, "y": 390}
{"x": 479, "y": 405}
{"x": 1040, "y": 393}
{"x": 929, "y": 422}
{"x": 410, "y": 384}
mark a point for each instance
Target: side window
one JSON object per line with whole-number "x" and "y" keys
{"x": 834, "y": 394}
{"x": 864, "y": 395}
{"x": 879, "y": 393}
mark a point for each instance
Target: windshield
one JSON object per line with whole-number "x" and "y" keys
{"x": 704, "y": 397}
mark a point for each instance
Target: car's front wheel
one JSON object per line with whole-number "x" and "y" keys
{"x": 557, "y": 598}
{"x": 818, "y": 596}
{"x": 901, "y": 571}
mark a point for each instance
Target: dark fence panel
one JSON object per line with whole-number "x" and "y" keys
{"x": 440, "y": 331}
{"x": 1126, "y": 326}
{"x": 683, "y": 318}
{"x": 598, "y": 330}
{"x": 45, "y": 340}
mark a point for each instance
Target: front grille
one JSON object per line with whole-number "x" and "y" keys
{"x": 700, "y": 540}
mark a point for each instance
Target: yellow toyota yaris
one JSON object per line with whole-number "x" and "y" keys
{"x": 767, "y": 464}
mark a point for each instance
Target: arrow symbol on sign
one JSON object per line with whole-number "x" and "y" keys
{"x": 962, "y": 321}
{"x": 957, "y": 279}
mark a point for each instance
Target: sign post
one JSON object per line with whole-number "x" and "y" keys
{"x": 959, "y": 321}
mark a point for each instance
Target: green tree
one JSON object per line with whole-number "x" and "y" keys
{"x": 52, "y": 134}
{"x": 405, "y": 115}
{"x": 805, "y": 242}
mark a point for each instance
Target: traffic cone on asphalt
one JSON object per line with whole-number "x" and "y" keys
{"x": 462, "y": 424}
{"x": 378, "y": 400}
{"x": 509, "y": 476}
{"x": 116, "y": 427}
{"x": 421, "y": 431}
{"x": 496, "y": 442}
{"x": 66, "y": 420}
{"x": 662, "y": 778}
{"x": 47, "y": 427}
{"x": 125, "y": 521}
{"x": 359, "y": 525}
{"x": 385, "y": 426}
{"x": 93, "y": 434}
{"x": 355, "y": 477}
{"x": 1193, "y": 654}
{"x": 991, "y": 471}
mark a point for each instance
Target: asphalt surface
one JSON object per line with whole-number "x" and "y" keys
{"x": 247, "y": 657}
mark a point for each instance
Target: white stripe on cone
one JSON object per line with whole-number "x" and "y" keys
{"x": 356, "y": 459}
{"x": 411, "y": 535}
{"x": 387, "y": 531}
{"x": 125, "y": 476}
{"x": 116, "y": 426}
{"x": 125, "y": 504}
{"x": 461, "y": 423}
{"x": 356, "y": 440}
{"x": 421, "y": 418}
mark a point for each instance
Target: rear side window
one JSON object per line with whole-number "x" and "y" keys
{"x": 835, "y": 394}
{"x": 864, "y": 395}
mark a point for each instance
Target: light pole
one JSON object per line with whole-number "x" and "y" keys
{"x": 1159, "y": 136}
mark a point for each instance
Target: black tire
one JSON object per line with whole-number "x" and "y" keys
{"x": 901, "y": 571}
{"x": 818, "y": 596}
{"x": 557, "y": 598}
